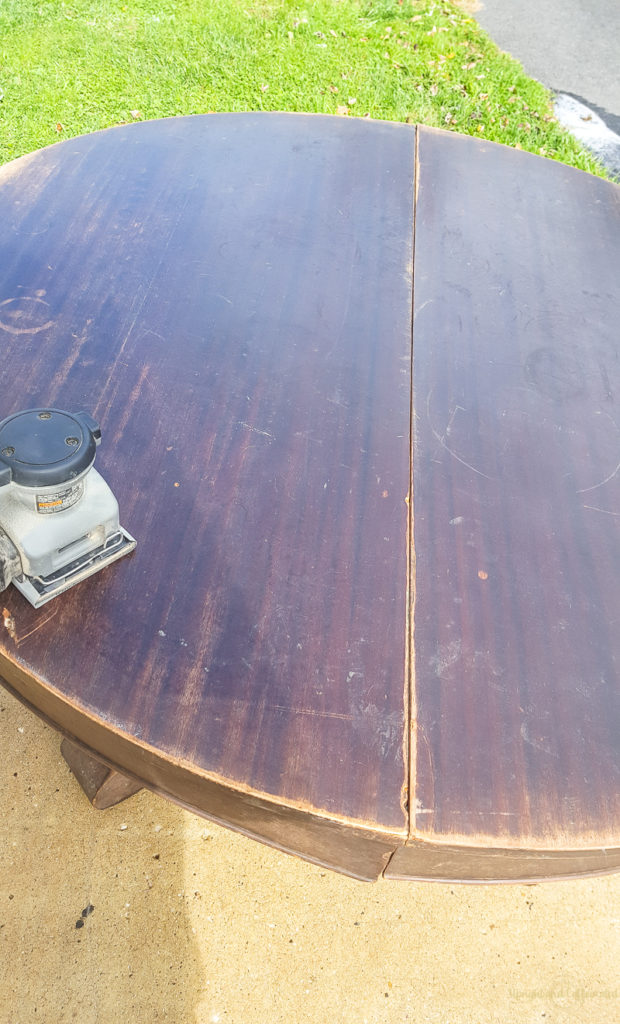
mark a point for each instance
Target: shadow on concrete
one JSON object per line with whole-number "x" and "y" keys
{"x": 93, "y": 919}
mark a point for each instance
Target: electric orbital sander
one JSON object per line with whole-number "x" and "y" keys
{"x": 58, "y": 518}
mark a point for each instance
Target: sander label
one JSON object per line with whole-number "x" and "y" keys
{"x": 61, "y": 500}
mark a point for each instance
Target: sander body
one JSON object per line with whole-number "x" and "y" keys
{"x": 59, "y": 520}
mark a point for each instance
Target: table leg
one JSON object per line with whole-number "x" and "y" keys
{"x": 103, "y": 786}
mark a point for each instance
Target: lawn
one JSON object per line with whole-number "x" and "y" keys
{"x": 76, "y": 66}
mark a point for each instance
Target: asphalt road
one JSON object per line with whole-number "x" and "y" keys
{"x": 572, "y": 47}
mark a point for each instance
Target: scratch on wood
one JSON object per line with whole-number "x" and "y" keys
{"x": 443, "y": 444}
{"x": 423, "y": 306}
{"x": 607, "y": 511}
{"x": 255, "y": 430}
{"x": 309, "y": 711}
{"x": 457, "y": 408}
{"x": 133, "y": 398}
{"x": 38, "y": 626}
{"x": 445, "y": 656}
{"x": 60, "y": 378}
{"x": 538, "y": 742}
{"x": 422, "y": 748}
{"x": 584, "y": 490}
{"x": 137, "y": 307}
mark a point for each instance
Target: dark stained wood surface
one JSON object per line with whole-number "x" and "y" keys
{"x": 516, "y": 496}
{"x": 231, "y": 297}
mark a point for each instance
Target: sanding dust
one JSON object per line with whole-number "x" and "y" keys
{"x": 9, "y": 624}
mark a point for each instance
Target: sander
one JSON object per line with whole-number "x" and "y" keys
{"x": 58, "y": 517}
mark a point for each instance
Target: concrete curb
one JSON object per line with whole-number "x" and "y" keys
{"x": 590, "y": 130}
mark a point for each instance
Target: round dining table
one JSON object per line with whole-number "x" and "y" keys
{"x": 357, "y": 386}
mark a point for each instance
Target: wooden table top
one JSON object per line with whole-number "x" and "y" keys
{"x": 372, "y": 616}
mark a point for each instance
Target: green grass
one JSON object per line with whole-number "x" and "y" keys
{"x": 73, "y": 67}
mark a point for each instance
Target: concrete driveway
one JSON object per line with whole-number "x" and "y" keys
{"x": 147, "y": 913}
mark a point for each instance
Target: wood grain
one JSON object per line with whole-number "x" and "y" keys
{"x": 231, "y": 297}
{"x": 482, "y": 862}
{"x": 516, "y": 494}
{"x": 288, "y": 651}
